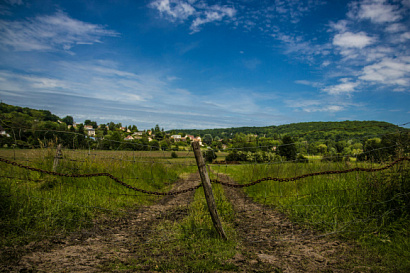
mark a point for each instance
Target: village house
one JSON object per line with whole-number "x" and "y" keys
{"x": 176, "y": 138}
{"x": 90, "y": 132}
{"x": 199, "y": 140}
{"x": 3, "y": 132}
{"x": 129, "y": 138}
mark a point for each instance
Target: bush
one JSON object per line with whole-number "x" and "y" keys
{"x": 209, "y": 155}
{"x": 302, "y": 159}
{"x": 174, "y": 155}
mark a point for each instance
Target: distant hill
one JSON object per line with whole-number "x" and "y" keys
{"x": 15, "y": 116}
{"x": 10, "y": 112}
{"x": 306, "y": 130}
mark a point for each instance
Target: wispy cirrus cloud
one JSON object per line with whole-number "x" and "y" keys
{"x": 314, "y": 106}
{"x": 50, "y": 32}
{"x": 197, "y": 12}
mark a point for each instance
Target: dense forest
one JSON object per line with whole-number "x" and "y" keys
{"x": 30, "y": 128}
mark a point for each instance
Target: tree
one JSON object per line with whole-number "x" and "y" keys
{"x": 111, "y": 126}
{"x": 207, "y": 139}
{"x": 69, "y": 120}
{"x": 322, "y": 148}
{"x": 288, "y": 148}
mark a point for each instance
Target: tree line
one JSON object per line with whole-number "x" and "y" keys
{"x": 30, "y": 128}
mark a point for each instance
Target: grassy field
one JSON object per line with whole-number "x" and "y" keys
{"x": 35, "y": 204}
{"x": 371, "y": 209}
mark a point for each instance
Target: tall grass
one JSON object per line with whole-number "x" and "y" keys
{"x": 34, "y": 205}
{"x": 372, "y": 208}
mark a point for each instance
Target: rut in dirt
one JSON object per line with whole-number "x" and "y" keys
{"x": 272, "y": 243}
{"x": 111, "y": 240}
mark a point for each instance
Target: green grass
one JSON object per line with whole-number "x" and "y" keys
{"x": 370, "y": 208}
{"x": 193, "y": 241}
{"x": 34, "y": 205}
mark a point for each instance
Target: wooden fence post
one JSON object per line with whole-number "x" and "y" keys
{"x": 206, "y": 183}
{"x": 59, "y": 155}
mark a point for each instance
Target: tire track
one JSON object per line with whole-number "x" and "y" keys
{"x": 272, "y": 243}
{"x": 112, "y": 240}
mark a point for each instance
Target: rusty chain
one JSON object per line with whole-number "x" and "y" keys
{"x": 97, "y": 175}
{"x": 309, "y": 175}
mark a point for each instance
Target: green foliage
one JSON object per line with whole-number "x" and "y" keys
{"x": 207, "y": 139}
{"x": 310, "y": 131}
{"x": 174, "y": 155}
{"x": 288, "y": 148}
{"x": 302, "y": 159}
{"x": 209, "y": 155}
{"x": 259, "y": 156}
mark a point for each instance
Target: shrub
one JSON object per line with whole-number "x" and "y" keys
{"x": 209, "y": 155}
{"x": 302, "y": 159}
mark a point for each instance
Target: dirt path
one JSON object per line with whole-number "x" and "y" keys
{"x": 115, "y": 240}
{"x": 271, "y": 243}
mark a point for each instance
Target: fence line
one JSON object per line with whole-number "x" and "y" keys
{"x": 216, "y": 181}
{"x": 97, "y": 175}
{"x": 357, "y": 169}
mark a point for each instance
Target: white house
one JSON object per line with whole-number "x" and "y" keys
{"x": 90, "y": 132}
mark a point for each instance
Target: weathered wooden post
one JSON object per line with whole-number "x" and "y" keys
{"x": 206, "y": 183}
{"x": 59, "y": 155}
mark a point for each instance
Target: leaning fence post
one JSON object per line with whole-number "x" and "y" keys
{"x": 206, "y": 183}
{"x": 59, "y": 155}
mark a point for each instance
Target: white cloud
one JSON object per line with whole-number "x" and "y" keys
{"x": 345, "y": 87}
{"x": 309, "y": 83}
{"x": 50, "y": 32}
{"x": 397, "y": 27}
{"x": 377, "y": 11}
{"x": 293, "y": 10}
{"x": 326, "y": 63}
{"x": 212, "y": 14}
{"x": 352, "y": 40}
{"x": 201, "y": 12}
{"x": 173, "y": 10}
{"x": 388, "y": 71}
{"x": 313, "y": 106}
{"x": 328, "y": 108}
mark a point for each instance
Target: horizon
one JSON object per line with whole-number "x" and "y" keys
{"x": 199, "y": 64}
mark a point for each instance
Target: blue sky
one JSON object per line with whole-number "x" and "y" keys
{"x": 208, "y": 64}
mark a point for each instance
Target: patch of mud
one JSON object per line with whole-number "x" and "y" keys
{"x": 111, "y": 240}
{"x": 271, "y": 243}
